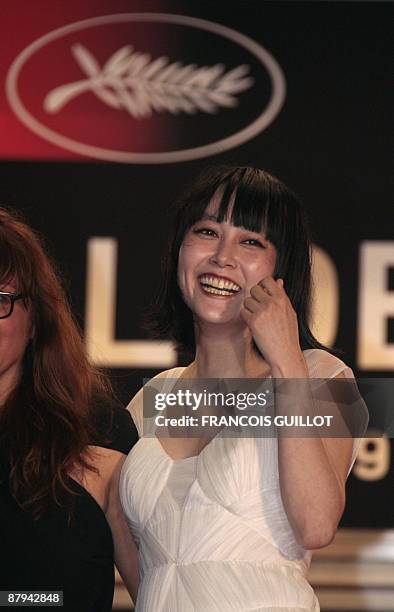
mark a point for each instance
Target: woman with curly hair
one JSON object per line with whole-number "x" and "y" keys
{"x": 62, "y": 441}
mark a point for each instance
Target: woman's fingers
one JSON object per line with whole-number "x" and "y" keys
{"x": 258, "y": 293}
{"x": 270, "y": 285}
{"x": 250, "y": 304}
{"x": 261, "y": 293}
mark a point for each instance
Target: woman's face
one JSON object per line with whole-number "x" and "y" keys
{"x": 218, "y": 265}
{"x": 15, "y": 332}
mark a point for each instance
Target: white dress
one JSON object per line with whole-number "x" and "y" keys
{"x": 212, "y": 531}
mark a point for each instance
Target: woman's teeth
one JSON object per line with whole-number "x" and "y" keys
{"x": 217, "y": 291}
{"x": 218, "y": 286}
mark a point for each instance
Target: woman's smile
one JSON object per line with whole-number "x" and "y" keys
{"x": 218, "y": 286}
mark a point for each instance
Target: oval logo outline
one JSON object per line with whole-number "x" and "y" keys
{"x": 272, "y": 109}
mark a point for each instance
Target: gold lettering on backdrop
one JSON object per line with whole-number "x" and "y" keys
{"x": 100, "y": 317}
{"x": 325, "y": 297}
{"x": 376, "y": 306}
{"x": 373, "y": 458}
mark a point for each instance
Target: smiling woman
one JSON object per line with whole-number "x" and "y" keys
{"x": 62, "y": 441}
{"x": 226, "y": 523}
{"x": 258, "y": 212}
{"x": 209, "y": 243}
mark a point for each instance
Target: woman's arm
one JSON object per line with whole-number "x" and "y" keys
{"x": 126, "y": 552}
{"x": 312, "y": 471}
{"x": 103, "y": 485}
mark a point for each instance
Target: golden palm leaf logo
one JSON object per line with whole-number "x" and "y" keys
{"x": 134, "y": 82}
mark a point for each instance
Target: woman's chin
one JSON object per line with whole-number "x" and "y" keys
{"x": 213, "y": 309}
{"x": 218, "y": 316}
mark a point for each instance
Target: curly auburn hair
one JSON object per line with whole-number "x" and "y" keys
{"x": 47, "y": 420}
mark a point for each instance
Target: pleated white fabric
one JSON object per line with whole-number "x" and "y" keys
{"x": 212, "y": 531}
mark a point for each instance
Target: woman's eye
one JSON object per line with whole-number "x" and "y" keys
{"x": 205, "y": 231}
{"x": 254, "y": 242}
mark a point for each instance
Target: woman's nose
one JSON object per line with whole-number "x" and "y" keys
{"x": 224, "y": 255}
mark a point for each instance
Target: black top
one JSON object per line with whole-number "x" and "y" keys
{"x": 52, "y": 553}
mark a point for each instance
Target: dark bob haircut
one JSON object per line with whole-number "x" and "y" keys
{"x": 262, "y": 204}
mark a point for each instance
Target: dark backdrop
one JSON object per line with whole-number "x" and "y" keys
{"x": 329, "y": 143}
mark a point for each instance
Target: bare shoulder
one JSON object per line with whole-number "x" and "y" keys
{"x": 106, "y": 464}
{"x": 135, "y": 407}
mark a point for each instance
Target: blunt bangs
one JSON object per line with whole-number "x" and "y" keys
{"x": 258, "y": 202}
{"x": 248, "y": 199}
{"x": 249, "y": 208}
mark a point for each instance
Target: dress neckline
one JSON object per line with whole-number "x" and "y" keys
{"x": 161, "y": 447}
{"x": 196, "y": 457}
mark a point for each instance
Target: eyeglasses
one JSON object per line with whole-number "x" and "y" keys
{"x": 7, "y": 301}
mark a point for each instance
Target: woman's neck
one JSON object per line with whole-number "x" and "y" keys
{"x": 227, "y": 352}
